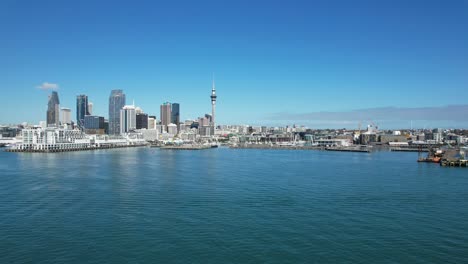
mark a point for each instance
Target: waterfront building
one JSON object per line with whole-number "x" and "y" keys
{"x": 53, "y": 110}
{"x": 43, "y": 124}
{"x": 141, "y": 120}
{"x": 94, "y": 124}
{"x": 116, "y": 103}
{"x": 81, "y": 109}
{"x": 59, "y": 139}
{"x": 127, "y": 119}
{"x": 65, "y": 114}
{"x": 149, "y": 134}
{"x": 165, "y": 114}
{"x": 8, "y": 132}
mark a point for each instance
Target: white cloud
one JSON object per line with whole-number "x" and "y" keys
{"x": 48, "y": 86}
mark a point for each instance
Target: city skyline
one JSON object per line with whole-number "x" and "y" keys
{"x": 275, "y": 64}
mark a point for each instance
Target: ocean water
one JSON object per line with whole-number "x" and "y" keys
{"x": 144, "y": 205}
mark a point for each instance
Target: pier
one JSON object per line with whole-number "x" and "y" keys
{"x": 453, "y": 163}
{"x": 280, "y": 147}
{"x": 71, "y": 149}
{"x": 349, "y": 149}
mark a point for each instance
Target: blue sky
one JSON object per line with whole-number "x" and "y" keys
{"x": 275, "y": 62}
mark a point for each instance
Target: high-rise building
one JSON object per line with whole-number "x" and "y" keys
{"x": 106, "y": 126}
{"x": 65, "y": 114}
{"x": 165, "y": 114}
{"x": 138, "y": 109}
{"x": 53, "y": 110}
{"x": 175, "y": 114}
{"x": 81, "y": 109}
{"x": 116, "y": 103}
{"x": 94, "y": 124}
{"x": 151, "y": 122}
{"x": 90, "y": 108}
{"x": 127, "y": 119}
{"x": 141, "y": 121}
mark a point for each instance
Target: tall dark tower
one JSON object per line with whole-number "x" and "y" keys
{"x": 81, "y": 109}
{"x": 53, "y": 110}
{"x": 116, "y": 103}
{"x": 213, "y": 105}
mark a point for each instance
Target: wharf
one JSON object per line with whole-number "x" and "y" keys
{"x": 263, "y": 146}
{"x": 409, "y": 149}
{"x": 454, "y": 163}
{"x": 71, "y": 149}
{"x": 349, "y": 149}
{"x": 186, "y": 147}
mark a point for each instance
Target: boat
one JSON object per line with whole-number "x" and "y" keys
{"x": 434, "y": 155}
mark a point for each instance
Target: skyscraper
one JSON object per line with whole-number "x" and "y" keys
{"x": 81, "y": 109}
{"x": 127, "y": 119}
{"x": 175, "y": 114}
{"x": 53, "y": 110}
{"x": 116, "y": 103}
{"x": 66, "y": 115}
{"x": 142, "y": 121}
{"x": 90, "y": 108}
{"x": 165, "y": 114}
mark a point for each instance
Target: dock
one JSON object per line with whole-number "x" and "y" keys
{"x": 409, "y": 149}
{"x": 71, "y": 149}
{"x": 186, "y": 147}
{"x": 453, "y": 163}
{"x": 265, "y": 146}
{"x": 349, "y": 149}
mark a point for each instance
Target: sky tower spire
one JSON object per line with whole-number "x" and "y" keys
{"x": 213, "y": 104}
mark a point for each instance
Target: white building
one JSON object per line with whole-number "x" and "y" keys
{"x": 151, "y": 123}
{"x": 334, "y": 142}
{"x": 59, "y": 139}
{"x": 65, "y": 115}
{"x": 138, "y": 110}
{"x": 160, "y": 129}
{"x": 90, "y": 108}
{"x": 127, "y": 119}
{"x": 182, "y": 127}
{"x": 172, "y": 129}
{"x": 149, "y": 134}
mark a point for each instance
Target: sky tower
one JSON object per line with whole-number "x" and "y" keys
{"x": 213, "y": 104}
